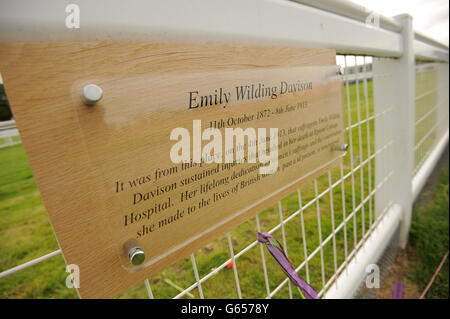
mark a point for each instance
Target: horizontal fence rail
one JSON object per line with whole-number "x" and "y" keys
{"x": 333, "y": 227}
{"x": 9, "y": 135}
{"x": 157, "y": 21}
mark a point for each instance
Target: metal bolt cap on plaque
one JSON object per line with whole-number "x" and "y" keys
{"x": 341, "y": 147}
{"x": 135, "y": 253}
{"x": 136, "y": 256}
{"x": 91, "y": 94}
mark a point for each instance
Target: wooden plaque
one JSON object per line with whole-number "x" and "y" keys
{"x": 105, "y": 171}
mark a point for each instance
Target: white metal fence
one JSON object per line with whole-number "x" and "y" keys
{"x": 9, "y": 135}
{"x": 397, "y": 127}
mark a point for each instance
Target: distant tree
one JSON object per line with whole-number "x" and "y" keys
{"x": 5, "y": 111}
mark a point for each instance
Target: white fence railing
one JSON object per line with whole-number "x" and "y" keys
{"x": 397, "y": 128}
{"x": 9, "y": 135}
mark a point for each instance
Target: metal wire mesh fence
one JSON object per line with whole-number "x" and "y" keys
{"x": 431, "y": 108}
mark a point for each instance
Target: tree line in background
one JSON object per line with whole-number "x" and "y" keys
{"x": 5, "y": 111}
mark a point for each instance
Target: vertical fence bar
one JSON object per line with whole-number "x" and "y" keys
{"x": 344, "y": 216}
{"x": 442, "y": 100}
{"x": 197, "y": 278}
{"x": 322, "y": 263}
{"x": 283, "y": 234}
{"x": 236, "y": 276}
{"x": 369, "y": 164}
{"x": 403, "y": 129}
{"x": 149, "y": 289}
{"x": 349, "y": 114}
{"x": 302, "y": 221}
{"x": 361, "y": 170}
{"x": 333, "y": 229}
{"x": 263, "y": 258}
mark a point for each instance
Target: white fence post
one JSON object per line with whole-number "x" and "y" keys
{"x": 403, "y": 126}
{"x": 384, "y": 102}
{"x": 394, "y": 102}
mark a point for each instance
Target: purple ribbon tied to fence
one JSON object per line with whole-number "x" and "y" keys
{"x": 398, "y": 290}
{"x": 276, "y": 250}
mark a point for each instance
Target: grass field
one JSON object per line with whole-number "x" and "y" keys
{"x": 429, "y": 239}
{"x": 25, "y": 232}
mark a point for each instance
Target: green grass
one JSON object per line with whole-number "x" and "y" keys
{"x": 429, "y": 239}
{"x": 25, "y": 232}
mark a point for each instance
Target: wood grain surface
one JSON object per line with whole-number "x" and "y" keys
{"x": 69, "y": 150}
